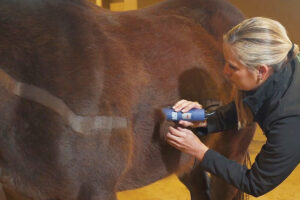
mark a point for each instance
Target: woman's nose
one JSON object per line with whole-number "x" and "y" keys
{"x": 226, "y": 70}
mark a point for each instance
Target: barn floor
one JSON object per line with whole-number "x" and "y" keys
{"x": 171, "y": 189}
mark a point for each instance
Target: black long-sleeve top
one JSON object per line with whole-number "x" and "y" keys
{"x": 276, "y": 108}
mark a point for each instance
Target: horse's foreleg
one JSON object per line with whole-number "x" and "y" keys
{"x": 9, "y": 194}
{"x": 2, "y": 193}
{"x": 197, "y": 182}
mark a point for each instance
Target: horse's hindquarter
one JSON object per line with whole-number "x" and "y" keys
{"x": 42, "y": 151}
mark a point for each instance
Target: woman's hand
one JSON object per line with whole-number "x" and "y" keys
{"x": 186, "y": 141}
{"x": 185, "y": 106}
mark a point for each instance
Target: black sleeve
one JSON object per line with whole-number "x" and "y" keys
{"x": 276, "y": 160}
{"x": 224, "y": 118}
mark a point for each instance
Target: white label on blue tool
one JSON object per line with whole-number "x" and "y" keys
{"x": 186, "y": 115}
{"x": 174, "y": 115}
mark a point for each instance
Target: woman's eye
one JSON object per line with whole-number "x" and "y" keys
{"x": 232, "y": 67}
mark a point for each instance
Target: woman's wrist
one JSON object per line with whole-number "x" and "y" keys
{"x": 201, "y": 152}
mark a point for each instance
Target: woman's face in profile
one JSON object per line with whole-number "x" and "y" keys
{"x": 239, "y": 74}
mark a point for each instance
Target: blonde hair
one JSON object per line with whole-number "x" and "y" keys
{"x": 257, "y": 41}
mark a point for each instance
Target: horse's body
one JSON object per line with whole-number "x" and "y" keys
{"x": 81, "y": 92}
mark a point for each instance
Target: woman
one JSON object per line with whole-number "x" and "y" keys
{"x": 262, "y": 63}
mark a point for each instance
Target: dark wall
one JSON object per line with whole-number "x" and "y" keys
{"x": 145, "y": 3}
{"x": 286, "y": 12}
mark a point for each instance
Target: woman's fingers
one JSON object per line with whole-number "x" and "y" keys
{"x": 186, "y": 141}
{"x": 184, "y": 130}
{"x": 186, "y": 123}
{"x": 176, "y": 132}
{"x": 175, "y": 137}
{"x": 184, "y": 105}
{"x": 193, "y": 124}
{"x": 191, "y": 105}
{"x": 200, "y": 124}
{"x": 173, "y": 140}
{"x": 178, "y": 104}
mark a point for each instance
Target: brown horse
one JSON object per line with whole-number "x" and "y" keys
{"x": 82, "y": 88}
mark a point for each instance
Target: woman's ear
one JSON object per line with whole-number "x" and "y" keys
{"x": 264, "y": 71}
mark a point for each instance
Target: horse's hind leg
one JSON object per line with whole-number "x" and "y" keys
{"x": 197, "y": 182}
{"x": 104, "y": 196}
{"x": 92, "y": 193}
